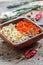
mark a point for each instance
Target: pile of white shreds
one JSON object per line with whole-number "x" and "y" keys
{"x": 12, "y": 33}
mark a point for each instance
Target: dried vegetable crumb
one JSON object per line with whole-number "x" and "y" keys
{"x": 38, "y": 58}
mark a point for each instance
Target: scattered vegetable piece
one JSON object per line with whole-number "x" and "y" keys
{"x": 38, "y": 16}
{"x": 9, "y": 60}
{"x": 31, "y": 12}
{"x": 18, "y": 57}
{"x": 27, "y": 54}
{"x": 27, "y": 51}
{"x": 39, "y": 46}
{"x": 31, "y": 54}
{"x": 38, "y": 58}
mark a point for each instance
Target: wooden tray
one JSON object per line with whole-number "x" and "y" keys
{"x": 24, "y": 43}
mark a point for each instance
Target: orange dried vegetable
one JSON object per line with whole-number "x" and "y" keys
{"x": 26, "y": 27}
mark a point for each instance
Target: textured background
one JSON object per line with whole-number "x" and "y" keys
{"x": 9, "y": 59}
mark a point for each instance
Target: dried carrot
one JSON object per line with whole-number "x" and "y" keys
{"x": 25, "y": 27}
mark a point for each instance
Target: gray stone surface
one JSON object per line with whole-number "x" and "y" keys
{"x": 10, "y": 59}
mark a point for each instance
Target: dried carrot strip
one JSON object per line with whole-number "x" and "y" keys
{"x": 25, "y": 27}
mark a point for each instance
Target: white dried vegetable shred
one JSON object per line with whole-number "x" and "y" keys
{"x": 12, "y": 33}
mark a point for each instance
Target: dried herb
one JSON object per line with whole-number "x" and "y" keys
{"x": 22, "y": 11}
{"x": 17, "y": 5}
{"x": 10, "y": 18}
{"x": 25, "y": 10}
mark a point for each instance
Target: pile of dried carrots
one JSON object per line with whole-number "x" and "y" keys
{"x": 27, "y": 27}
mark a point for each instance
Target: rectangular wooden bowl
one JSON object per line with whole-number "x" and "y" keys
{"x": 24, "y": 43}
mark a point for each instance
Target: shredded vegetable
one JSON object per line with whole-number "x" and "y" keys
{"x": 27, "y": 27}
